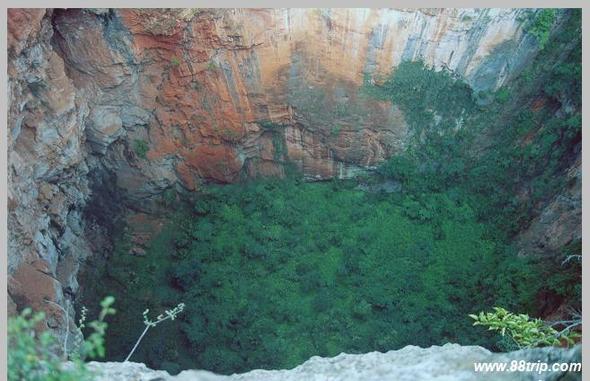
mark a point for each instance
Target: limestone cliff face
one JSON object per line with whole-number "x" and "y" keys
{"x": 219, "y": 94}
{"x": 559, "y": 223}
{"x": 132, "y": 102}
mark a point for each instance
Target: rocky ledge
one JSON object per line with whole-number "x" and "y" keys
{"x": 451, "y": 362}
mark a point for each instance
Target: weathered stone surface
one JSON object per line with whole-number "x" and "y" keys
{"x": 558, "y": 224}
{"x": 46, "y": 173}
{"x": 25, "y": 24}
{"x": 450, "y": 362}
{"x": 105, "y": 126}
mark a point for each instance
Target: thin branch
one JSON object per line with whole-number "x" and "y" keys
{"x": 569, "y": 327}
{"x": 562, "y": 322}
{"x": 569, "y": 258}
{"x": 137, "y": 343}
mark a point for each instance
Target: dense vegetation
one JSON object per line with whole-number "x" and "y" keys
{"x": 275, "y": 271}
{"x": 492, "y": 154}
{"x": 541, "y": 24}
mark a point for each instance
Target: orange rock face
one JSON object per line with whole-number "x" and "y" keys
{"x": 198, "y": 86}
{"x": 222, "y": 71}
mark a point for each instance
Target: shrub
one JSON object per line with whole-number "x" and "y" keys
{"x": 541, "y": 25}
{"x": 502, "y": 95}
{"x": 361, "y": 310}
{"x": 32, "y": 352}
{"x": 211, "y": 65}
{"x": 278, "y": 143}
{"x": 141, "y": 148}
{"x": 169, "y": 197}
{"x": 269, "y": 125}
{"x": 523, "y": 330}
{"x": 183, "y": 277}
{"x": 175, "y": 61}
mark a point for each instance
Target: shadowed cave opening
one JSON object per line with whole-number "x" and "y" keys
{"x": 276, "y": 270}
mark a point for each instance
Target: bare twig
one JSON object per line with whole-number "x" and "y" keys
{"x": 563, "y": 322}
{"x": 137, "y": 343}
{"x": 569, "y": 258}
{"x": 569, "y": 327}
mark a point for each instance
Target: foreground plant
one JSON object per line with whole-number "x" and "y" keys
{"x": 33, "y": 354}
{"x": 525, "y": 331}
{"x": 168, "y": 314}
{"x": 93, "y": 346}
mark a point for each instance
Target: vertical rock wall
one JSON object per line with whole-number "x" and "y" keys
{"x": 123, "y": 104}
{"x": 47, "y": 171}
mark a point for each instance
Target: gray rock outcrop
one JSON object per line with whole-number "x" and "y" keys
{"x": 450, "y": 362}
